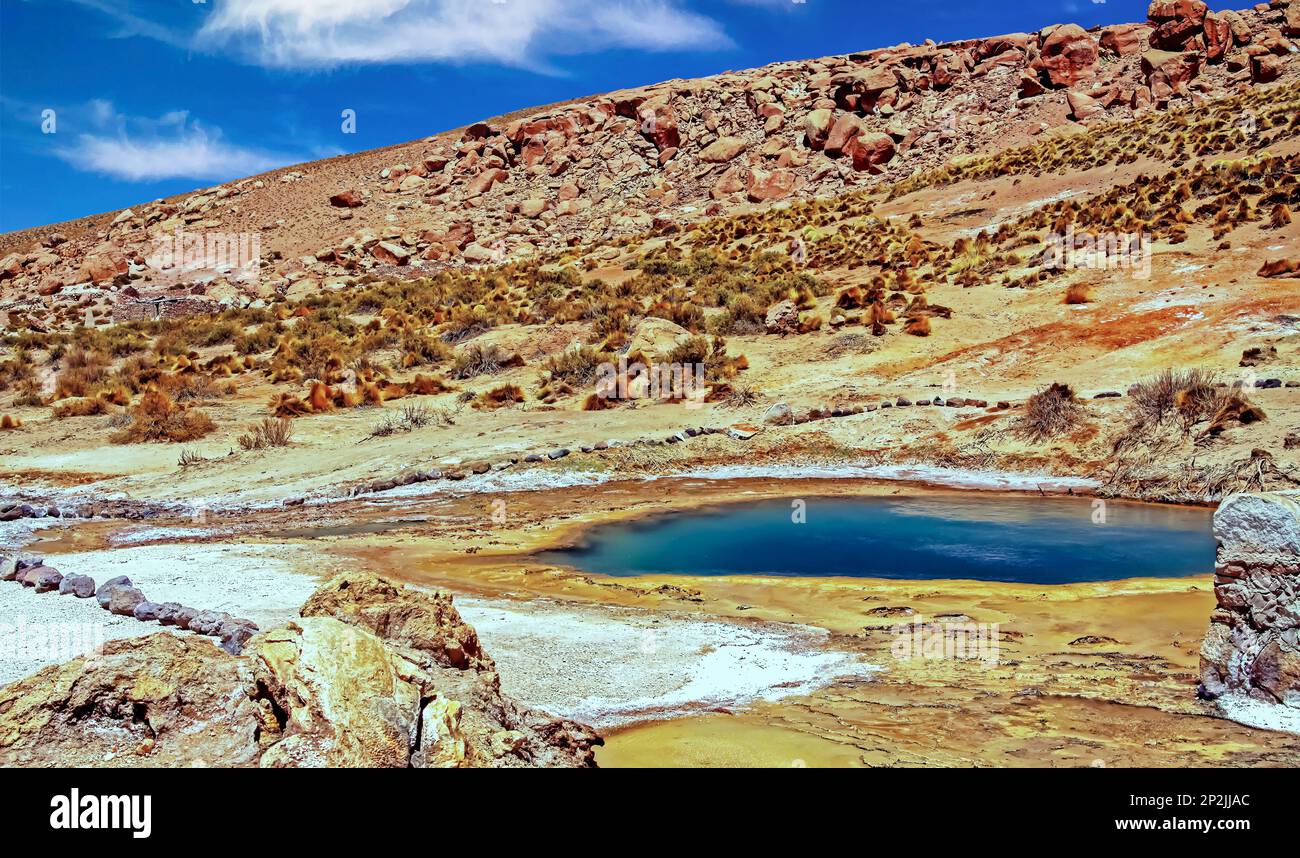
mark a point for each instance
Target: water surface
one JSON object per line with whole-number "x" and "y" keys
{"x": 1029, "y": 540}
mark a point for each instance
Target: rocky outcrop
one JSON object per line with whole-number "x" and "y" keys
{"x": 373, "y": 674}
{"x": 160, "y": 700}
{"x": 424, "y": 622}
{"x": 1253, "y": 643}
{"x": 659, "y": 157}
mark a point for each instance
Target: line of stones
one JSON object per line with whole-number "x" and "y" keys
{"x": 119, "y": 596}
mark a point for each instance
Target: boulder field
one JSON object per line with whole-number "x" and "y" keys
{"x": 650, "y": 158}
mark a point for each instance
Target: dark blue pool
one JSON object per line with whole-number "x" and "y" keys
{"x": 1029, "y": 540}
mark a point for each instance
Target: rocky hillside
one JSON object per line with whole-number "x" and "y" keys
{"x": 372, "y": 674}
{"x": 658, "y": 158}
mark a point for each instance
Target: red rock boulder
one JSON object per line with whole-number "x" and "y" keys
{"x": 870, "y": 150}
{"x": 1069, "y": 55}
{"x": 1168, "y": 73}
{"x": 1124, "y": 40}
{"x": 1218, "y": 37}
{"x": 1177, "y": 23}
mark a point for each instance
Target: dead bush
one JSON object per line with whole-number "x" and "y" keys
{"x": 82, "y": 407}
{"x": 1186, "y": 397}
{"x": 158, "y": 418}
{"x": 477, "y": 359}
{"x": 575, "y": 366}
{"x": 1078, "y": 293}
{"x": 1052, "y": 411}
{"x": 506, "y": 394}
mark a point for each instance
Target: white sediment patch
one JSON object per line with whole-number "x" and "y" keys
{"x": 615, "y": 666}
{"x": 536, "y": 479}
{"x": 261, "y": 582}
{"x": 1254, "y": 713}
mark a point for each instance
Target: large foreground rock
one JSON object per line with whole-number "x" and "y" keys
{"x": 374, "y": 674}
{"x": 160, "y": 700}
{"x": 1253, "y": 643}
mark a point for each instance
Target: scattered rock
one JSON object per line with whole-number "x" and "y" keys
{"x": 123, "y": 600}
{"x": 782, "y": 318}
{"x": 779, "y": 415}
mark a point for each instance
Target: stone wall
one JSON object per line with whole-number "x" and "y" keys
{"x": 128, "y": 309}
{"x": 1253, "y": 643}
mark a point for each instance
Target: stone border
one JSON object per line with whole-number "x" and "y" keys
{"x": 119, "y": 596}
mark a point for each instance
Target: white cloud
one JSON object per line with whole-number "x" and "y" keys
{"x": 327, "y": 33}
{"x": 170, "y": 147}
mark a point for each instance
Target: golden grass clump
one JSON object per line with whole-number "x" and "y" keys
{"x": 80, "y": 407}
{"x": 158, "y": 418}
{"x": 917, "y": 326}
{"x": 499, "y": 397}
{"x": 1078, "y": 293}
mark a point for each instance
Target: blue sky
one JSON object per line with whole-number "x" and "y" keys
{"x": 151, "y": 98}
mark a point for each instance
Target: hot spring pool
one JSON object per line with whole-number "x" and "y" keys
{"x": 1027, "y": 540}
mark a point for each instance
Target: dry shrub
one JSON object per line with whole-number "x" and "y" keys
{"x": 421, "y": 350}
{"x": 189, "y": 458}
{"x": 478, "y": 359}
{"x": 1052, "y": 411}
{"x": 271, "y": 432}
{"x": 10, "y": 422}
{"x": 1078, "y": 293}
{"x": 158, "y": 418}
{"x": 1280, "y": 217}
{"x": 87, "y": 407}
{"x": 575, "y": 366}
{"x": 1186, "y": 396}
{"x": 81, "y": 375}
{"x": 1234, "y": 408}
{"x": 917, "y": 326}
{"x": 741, "y": 396}
{"x": 506, "y": 394}
{"x": 29, "y": 394}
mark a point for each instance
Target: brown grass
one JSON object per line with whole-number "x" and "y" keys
{"x": 158, "y": 418}
{"x": 1078, "y": 293}
{"x": 1052, "y": 411}
{"x": 506, "y": 394}
{"x": 271, "y": 432}
{"x": 87, "y": 407}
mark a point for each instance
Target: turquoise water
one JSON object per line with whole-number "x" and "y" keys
{"x": 1029, "y": 540}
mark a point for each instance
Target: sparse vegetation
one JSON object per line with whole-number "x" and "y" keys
{"x": 1049, "y": 413}
{"x": 158, "y": 418}
{"x": 271, "y": 432}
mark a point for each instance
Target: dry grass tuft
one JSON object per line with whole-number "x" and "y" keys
{"x": 1052, "y": 411}
{"x": 505, "y": 395}
{"x": 271, "y": 432}
{"x": 158, "y": 418}
{"x": 1078, "y": 293}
